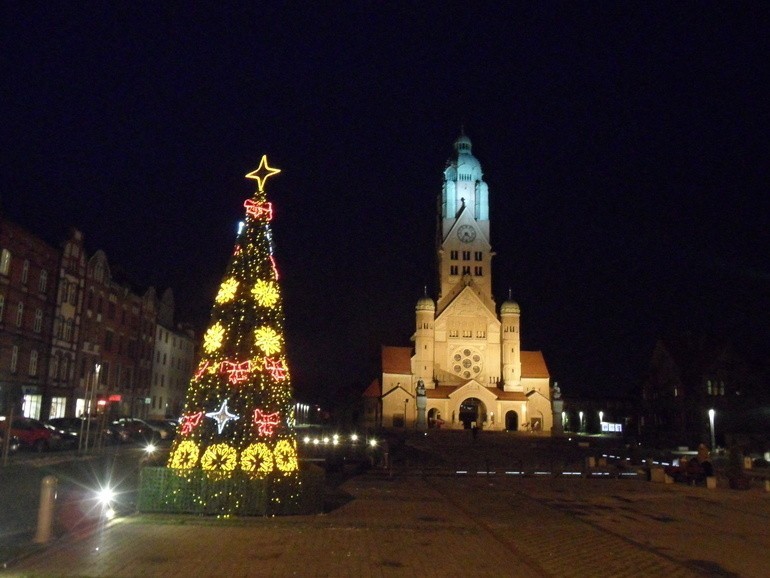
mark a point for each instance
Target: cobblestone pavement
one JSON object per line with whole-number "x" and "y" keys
{"x": 445, "y": 526}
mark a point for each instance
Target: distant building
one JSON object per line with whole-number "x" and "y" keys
{"x": 467, "y": 353}
{"x": 28, "y": 271}
{"x": 173, "y": 362}
{"x": 71, "y": 332}
{"x": 690, "y": 374}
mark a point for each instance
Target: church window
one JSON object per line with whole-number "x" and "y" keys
{"x": 42, "y": 282}
{"x": 478, "y": 271}
{"x": 453, "y": 270}
{"x": 453, "y": 255}
{"x": 38, "y": 327}
{"x": 19, "y": 314}
{"x": 5, "y": 262}
{"x": 478, "y": 255}
{"x": 466, "y": 255}
{"x": 25, "y": 272}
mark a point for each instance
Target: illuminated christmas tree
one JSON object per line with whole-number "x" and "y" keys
{"x": 237, "y": 424}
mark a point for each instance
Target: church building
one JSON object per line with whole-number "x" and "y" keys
{"x": 466, "y": 368}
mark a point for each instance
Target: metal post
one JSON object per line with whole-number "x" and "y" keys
{"x": 45, "y": 512}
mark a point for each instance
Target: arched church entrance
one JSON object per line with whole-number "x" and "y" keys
{"x": 511, "y": 421}
{"x": 472, "y": 410}
{"x": 434, "y": 418}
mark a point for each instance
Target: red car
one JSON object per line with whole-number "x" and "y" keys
{"x": 32, "y": 434}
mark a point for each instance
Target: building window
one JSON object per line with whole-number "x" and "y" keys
{"x": 108, "y": 341}
{"x": 466, "y": 270}
{"x": 72, "y": 293}
{"x": 42, "y": 282}
{"x": 2, "y": 307}
{"x": 466, "y": 255}
{"x": 25, "y": 272}
{"x": 453, "y": 255}
{"x": 58, "y": 406}
{"x": 68, "y": 330}
{"x": 453, "y": 333}
{"x": 709, "y": 390}
{"x": 38, "y": 321}
{"x": 19, "y": 314}
{"x": 33, "y": 362}
{"x": 110, "y": 310}
{"x": 453, "y": 270}
{"x": 64, "y": 369}
{"x": 478, "y": 255}
{"x": 14, "y": 358}
{"x": 5, "y": 262}
{"x": 31, "y": 406}
{"x": 478, "y": 271}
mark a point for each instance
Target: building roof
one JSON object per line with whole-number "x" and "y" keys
{"x": 374, "y": 389}
{"x": 396, "y": 359}
{"x": 444, "y": 391}
{"x": 533, "y": 364}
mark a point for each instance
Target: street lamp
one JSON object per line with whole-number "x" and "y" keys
{"x": 580, "y": 424}
{"x": 711, "y": 423}
{"x": 406, "y": 401}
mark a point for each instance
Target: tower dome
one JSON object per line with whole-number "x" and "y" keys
{"x": 425, "y": 304}
{"x": 510, "y": 307}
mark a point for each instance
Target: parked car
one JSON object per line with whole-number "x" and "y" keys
{"x": 12, "y": 446}
{"x": 73, "y": 426}
{"x": 166, "y": 429}
{"x": 136, "y": 429}
{"x": 33, "y": 434}
{"x": 67, "y": 440}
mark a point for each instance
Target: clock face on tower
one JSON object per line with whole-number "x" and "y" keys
{"x": 466, "y": 233}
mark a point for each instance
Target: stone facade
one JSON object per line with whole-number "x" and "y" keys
{"x": 466, "y": 352}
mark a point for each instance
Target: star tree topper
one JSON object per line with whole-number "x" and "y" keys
{"x": 262, "y": 173}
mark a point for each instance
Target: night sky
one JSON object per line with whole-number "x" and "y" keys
{"x": 625, "y": 145}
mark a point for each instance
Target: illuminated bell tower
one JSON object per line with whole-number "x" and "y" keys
{"x": 464, "y": 252}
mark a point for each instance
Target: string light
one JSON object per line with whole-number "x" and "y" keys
{"x": 243, "y": 372}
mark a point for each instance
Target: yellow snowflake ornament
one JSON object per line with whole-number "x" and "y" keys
{"x": 227, "y": 291}
{"x": 212, "y": 340}
{"x": 267, "y": 340}
{"x": 265, "y": 293}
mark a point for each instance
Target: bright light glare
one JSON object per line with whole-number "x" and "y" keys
{"x": 354, "y": 437}
{"x": 150, "y": 448}
{"x": 306, "y": 439}
{"x": 105, "y": 496}
{"x": 373, "y": 442}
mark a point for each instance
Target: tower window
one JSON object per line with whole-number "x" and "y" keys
{"x": 478, "y": 255}
{"x": 453, "y": 270}
{"x": 453, "y": 255}
{"x": 466, "y": 255}
{"x": 478, "y": 271}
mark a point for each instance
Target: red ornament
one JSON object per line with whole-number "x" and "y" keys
{"x": 266, "y": 421}
{"x": 276, "y": 368}
{"x": 190, "y": 421}
{"x": 257, "y": 210}
{"x": 238, "y": 371}
{"x": 201, "y": 369}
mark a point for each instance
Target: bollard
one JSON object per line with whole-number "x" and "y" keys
{"x": 46, "y": 510}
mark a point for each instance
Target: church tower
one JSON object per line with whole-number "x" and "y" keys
{"x": 466, "y": 354}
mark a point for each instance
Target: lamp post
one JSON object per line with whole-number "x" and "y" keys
{"x": 711, "y": 423}
{"x": 406, "y": 401}
{"x": 601, "y": 420}
{"x": 580, "y": 425}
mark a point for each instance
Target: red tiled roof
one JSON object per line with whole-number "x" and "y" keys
{"x": 396, "y": 359}
{"x": 374, "y": 389}
{"x": 533, "y": 364}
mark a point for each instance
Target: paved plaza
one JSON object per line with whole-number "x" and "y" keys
{"x": 444, "y": 526}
